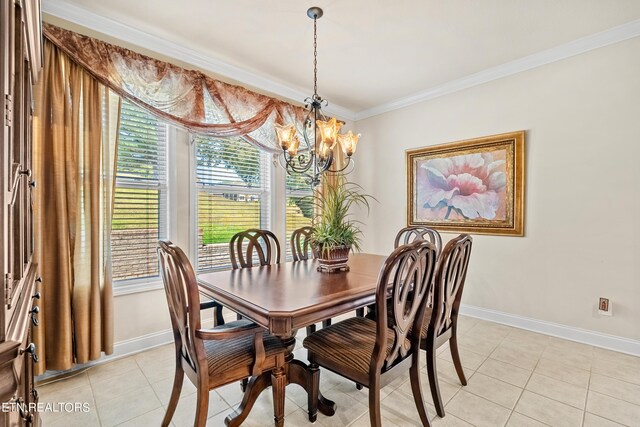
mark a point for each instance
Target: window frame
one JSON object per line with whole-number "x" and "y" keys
{"x": 267, "y": 193}
{"x": 166, "y": 217}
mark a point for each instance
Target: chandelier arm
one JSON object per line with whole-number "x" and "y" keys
{"x": 301, "y": 168}
{"x": 350, "y": 161}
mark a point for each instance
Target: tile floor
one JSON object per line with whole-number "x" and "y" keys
{"x": 516, "y": 378}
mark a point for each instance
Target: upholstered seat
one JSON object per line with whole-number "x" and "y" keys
{"x": 348, "y": 344}
{"x": 230, "y": 354}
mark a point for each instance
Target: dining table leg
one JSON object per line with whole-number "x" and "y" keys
{"x": 255, "y": 386}
{"x": 299, "y": 373}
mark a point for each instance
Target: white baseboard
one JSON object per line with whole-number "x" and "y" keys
{"x": 123, "y": 349}
{"x": 597, "y": 339}
{"x": 611, "y": 342}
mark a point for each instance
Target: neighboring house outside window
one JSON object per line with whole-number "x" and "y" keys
{"x": 233, "y": 194}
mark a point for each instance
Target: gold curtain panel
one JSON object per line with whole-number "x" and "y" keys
{"x": 74, "y": 146}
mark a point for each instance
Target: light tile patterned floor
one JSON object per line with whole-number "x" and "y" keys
{"x": 516, "y": 378}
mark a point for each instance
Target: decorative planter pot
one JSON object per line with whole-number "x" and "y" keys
{"x": 334, "y": 260}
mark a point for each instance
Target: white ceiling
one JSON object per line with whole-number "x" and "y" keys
{"x": 371, "y": 52}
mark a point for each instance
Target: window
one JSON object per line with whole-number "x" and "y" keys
{"x": 299, "y": 206}
{"x": 140, "y": 201}
{"x": 232, "y": 182}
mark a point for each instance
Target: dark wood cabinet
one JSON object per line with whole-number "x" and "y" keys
{"x": 20, "y": 63}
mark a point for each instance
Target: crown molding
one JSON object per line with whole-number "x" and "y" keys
{"x": 70, "y": 12}
{"x": 558, "y": 53}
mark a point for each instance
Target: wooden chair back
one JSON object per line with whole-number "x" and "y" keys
{"x": 409, "y": 234}
{"x": 449, "y": 284}
{"x": 254, "y": 243}
{"x": 300, "y": 243}
{"x": 404, "y": 281}
{"x": 181, "y": 289}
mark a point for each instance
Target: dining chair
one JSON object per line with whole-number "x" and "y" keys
{"x": 299, "y": 243}
{"x": 412, "y": 233}
{"x": 441, "y": 321}
{"x": 409, "y": 234}
{"x": 300, "y": 251}
{"x": 249, "y": 246}
{"x": 252, "y": 245}
{"x": 214, "y": 357}
{"x": 374, "y": 352}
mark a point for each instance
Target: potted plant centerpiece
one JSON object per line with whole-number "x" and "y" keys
{"x": 334, "y": 233}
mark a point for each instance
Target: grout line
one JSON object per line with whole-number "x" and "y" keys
{"x": 615, "y": 378}
{"x": 614, "y": 397}
{"x": 603, "y": 417}
{"x": 515, "y": 405}
{"x": 480, "y": 397}
{"x": 126, "y": 421}
{"x": 504, "y": 382}
{"x": 561, "y": 380}
{"x": 93, "y": 396}
{"x": 531, "y": 418}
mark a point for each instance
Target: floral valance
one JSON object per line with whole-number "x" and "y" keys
{"x": 187, "y": 98}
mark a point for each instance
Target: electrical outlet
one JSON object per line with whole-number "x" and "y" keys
{"x": 604, "y": 307}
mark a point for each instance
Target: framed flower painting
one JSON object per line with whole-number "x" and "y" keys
{"x": 474, "y": 186}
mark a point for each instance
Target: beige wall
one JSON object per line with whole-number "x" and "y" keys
{"x": 582, "y": 118}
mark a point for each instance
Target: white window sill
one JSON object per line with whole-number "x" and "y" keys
{"x": 137, "y": 286}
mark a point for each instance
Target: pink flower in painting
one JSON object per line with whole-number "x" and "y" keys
{"x": 468, "y": 184}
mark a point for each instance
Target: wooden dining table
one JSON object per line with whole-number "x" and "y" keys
{"x": 285, "y": 297}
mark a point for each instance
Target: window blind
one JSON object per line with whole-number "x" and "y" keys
{"x": 140, "y": 200}
{"x": 300, "y": 206}
{"x": 233, "y": 184}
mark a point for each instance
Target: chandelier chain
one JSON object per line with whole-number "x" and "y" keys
{"x": 315, "y": 56}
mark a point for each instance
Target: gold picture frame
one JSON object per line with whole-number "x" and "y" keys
{"x": 473, "y": 186}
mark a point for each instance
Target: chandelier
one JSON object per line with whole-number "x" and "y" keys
{"x": 321, "y": 134}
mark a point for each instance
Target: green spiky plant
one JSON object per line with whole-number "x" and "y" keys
{"x": 332, "y": 225}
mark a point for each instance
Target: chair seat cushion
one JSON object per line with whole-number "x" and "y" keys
{"x": 223, "y": 355}
{"x": 346, "y": 345}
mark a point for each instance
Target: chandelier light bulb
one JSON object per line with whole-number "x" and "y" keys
{"x": 349, "y": 141}
{"x": 324, "y": 150}
{"x": 328, "y": 131}
{"x": 285, "y": 134}
{"x": 293, "y": 146}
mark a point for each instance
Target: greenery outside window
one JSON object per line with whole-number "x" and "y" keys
{"x": 299, "y": 206}
{"x": 140, "y": 201}
{"x": 233, "y": 191}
